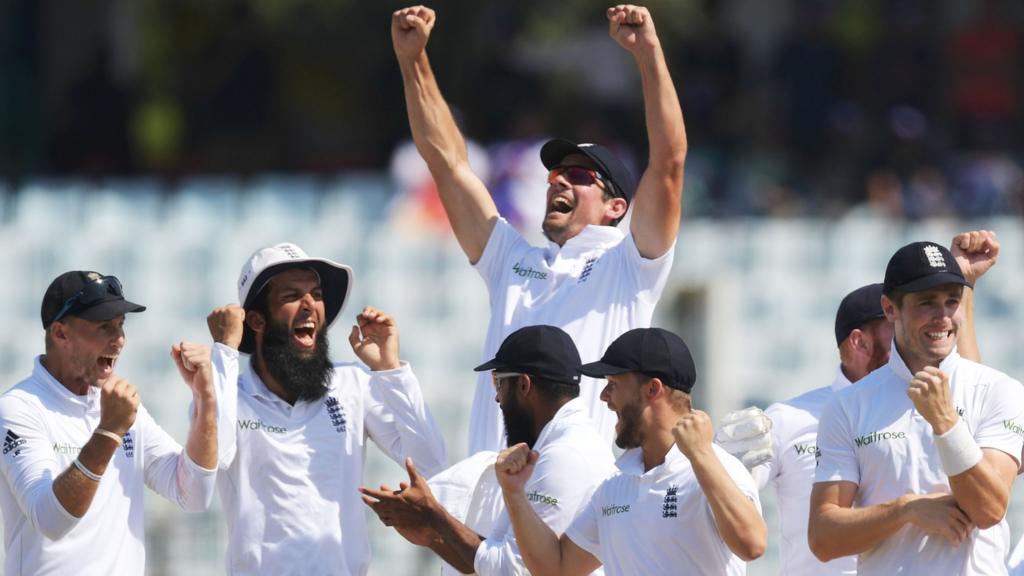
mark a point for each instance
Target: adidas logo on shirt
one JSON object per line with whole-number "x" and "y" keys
{"x": 13, "y": 442}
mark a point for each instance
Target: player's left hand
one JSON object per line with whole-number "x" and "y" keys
{"x": 409, "y": 506}
{"x": 929, "y": 391}
{"x": 631, "y": 27}
{"x": 196, "y": 368}
{"x": 374, "y": 339}
{"x": 975, "y": 252}
{"x": 693, "y": 433}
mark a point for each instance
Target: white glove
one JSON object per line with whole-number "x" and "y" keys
{"x": 747, "y": 435}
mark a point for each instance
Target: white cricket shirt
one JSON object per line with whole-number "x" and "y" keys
{"x": 791, "y": 473}
{"x": 45, "y": 426}
{"x": 595, "y": 287}
{"x": 470, "y": 492}
{"x": 871, "y": 434}
{"x": 290, "y": 474}
{"x": 573, "y": 461}
{"x": 658, "y": 522}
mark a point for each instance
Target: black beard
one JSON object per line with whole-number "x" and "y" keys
{"x": 302, "y": 377}
{"x": 518, "y": 423}
{"x": 630, "y": 435}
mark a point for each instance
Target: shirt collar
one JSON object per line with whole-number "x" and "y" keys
{"x": 42, "y": 375}
{"x": 570, "y": 413}
{"x": 840, "y": 381}
{"x": 632, "y": 462}
{"x": 593, "y": 236}
{"x": 899, "y": 367}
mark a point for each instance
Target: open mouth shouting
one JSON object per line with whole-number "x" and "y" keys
{"x": 105, "y": 365}
{"x": 560, "y": 205}
{"x": 304, "y": 335}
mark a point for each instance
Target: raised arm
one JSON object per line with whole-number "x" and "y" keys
{"x": 543, "y": 551}
{"x": 657, "y": 204}
{"x": 195, "y": 366}
{"x": 975, "y": 252}
{"x": 466, "y": 200}
{"x": 980, "y": 478}
{"x": 738, "y": 520}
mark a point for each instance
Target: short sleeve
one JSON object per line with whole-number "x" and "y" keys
{"x": 1002, "y": 420}
{"x": 837, "y": 458}
{"x": 505, "y": 245}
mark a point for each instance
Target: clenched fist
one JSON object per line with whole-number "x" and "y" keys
{"x": 631, "y": 27}
{"x": 227, "y": 325}
{"x": 975, "y": 252}
{"x": 195, "y": 367}
{"x": 929, "y": 391}
{"x": 693, "y": 433}
{"x": 514, "y": 467}
{"x": 410, "y": 30}
{"x": 119, "y": 402}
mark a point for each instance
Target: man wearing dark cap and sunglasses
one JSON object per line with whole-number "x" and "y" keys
{"x": 79, "y": 447}
{"x": 592, "y": 279}
{"x": 536, "y": 375}
{"x": 927, "y": 446}
{"x": 293, "y": 427}
{"x": 678, "y": 505}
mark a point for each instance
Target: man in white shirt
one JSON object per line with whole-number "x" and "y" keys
{"x": 917, "y": 460}
{"x": 679, "y": 504}
{"x": 79, "y": 447}
{"x": 592, "y": 280}
{"x": 293, "y": 427}
{"x": 536, "y": 376}
{"x": 864, "y": 337}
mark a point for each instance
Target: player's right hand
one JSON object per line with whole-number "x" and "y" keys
{"x": 514, "y": 467}
{"x": 227, "y": 324}
{"x": 119, "y": 402}
{"x": 747, "y": 435}
{"x": 410, "y": 30}
{"x": 939, "y": 514}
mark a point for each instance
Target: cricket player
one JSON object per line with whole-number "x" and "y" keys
{"x": 592, "y": 279}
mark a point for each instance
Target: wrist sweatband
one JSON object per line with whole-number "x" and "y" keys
{"x": 108, "y": 434}
{"x": 85, "y": 471}
{"x": 957, "y": 449}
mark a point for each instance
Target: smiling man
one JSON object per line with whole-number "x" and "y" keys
{"x": 592, "y": 279}
{"x": 293, "y": 428}
{"x": 79, "y": 447}
{"x": 917, "y": 460}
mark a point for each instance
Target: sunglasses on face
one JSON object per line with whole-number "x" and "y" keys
{"x": 577, "y": 176}
{"x": 90, "y": 294}
{"x": 497, "y": 377}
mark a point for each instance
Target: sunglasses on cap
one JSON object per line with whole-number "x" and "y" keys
{"x": 578, "y": 176}
{"x": 90, "y": 294}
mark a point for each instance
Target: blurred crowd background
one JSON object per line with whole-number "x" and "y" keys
{"x": 164, "y": 141}
{"x": 905, "y": 108}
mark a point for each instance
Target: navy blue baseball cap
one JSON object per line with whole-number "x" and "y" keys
{"x": 653, "y": 352}
{"x": 857, "y": 308}
{"x": 85, "y": 294}
{"x": 623, "y": 183}
{"x": 921, "y": 265}
{"x": 543, "y": 351}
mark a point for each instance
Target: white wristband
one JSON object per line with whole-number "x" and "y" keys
{"x": 957, "y": 449}
{"x": 86, "y": 472}
{"x": 108, "y": 434}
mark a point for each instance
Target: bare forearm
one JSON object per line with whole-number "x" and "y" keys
{"x": 201, "y": 446}
{"x": 666, "y": 132}
{"x": 73, "y": 489}
{"x": 981, "y": 494}
{"x": 836, "y": 531}
{"x": 967, "y": 340}
{"x": 456, "y": 543}
{"x": 434, "y": 131}
{"x": 737, "y": 519}
{"x": 538, "y": 544}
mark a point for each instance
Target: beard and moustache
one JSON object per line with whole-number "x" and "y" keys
{"x": 305, "y": 377}
{"x": 518, "y": 422}
{"x": 630, "y": 435}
